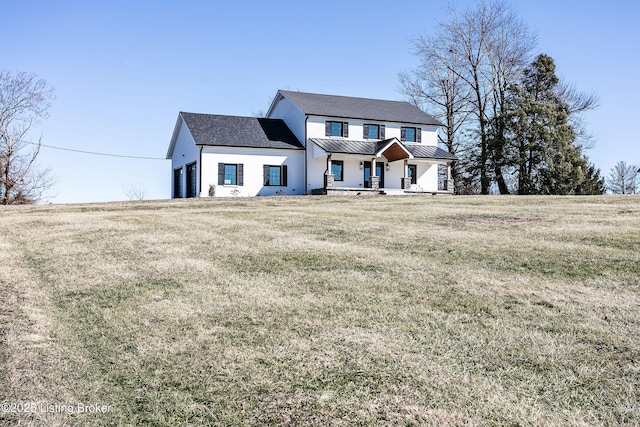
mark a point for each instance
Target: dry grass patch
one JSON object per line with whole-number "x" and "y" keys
{"x": 322, "y": 311}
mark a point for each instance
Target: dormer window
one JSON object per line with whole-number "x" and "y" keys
{"x": 410, "y": 134}
{"x": 333, "y": 128}
{"x": 372, "y": 131}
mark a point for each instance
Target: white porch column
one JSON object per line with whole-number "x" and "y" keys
{"x": 374, "y": 181}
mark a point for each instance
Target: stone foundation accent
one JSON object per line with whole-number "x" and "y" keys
{"x": 329, "y": 180}
{"x": 450, "y": 187}
{"x": 405, "y": 183}
{"x": 374, "y": 183}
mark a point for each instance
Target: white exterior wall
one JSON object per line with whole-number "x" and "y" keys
{"x": 427, "y": 171}
{"x": 294, "y": 117}
{"x": 427, "y": 176}
{"x": 184, "y": 153}
{"x": 316, "y": 129}
{"x": 253, "y": 160}
{"x": 316, "y": 167}
{"x": 429, "y": 135}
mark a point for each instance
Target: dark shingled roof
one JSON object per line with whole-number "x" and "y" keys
{"x": 370, "y": 148}
{"x": 234, "y": 131}
{"x": 359, "y": 108}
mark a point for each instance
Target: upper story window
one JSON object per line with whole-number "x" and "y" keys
{"x": 371, "y": 131}
{"x": 410, "y": 134}
{"x": 333, "y": 128}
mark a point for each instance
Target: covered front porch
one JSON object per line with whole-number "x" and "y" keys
{"x": 382, "y": 167}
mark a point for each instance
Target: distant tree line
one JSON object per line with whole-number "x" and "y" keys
{"x": 514, "y": 126}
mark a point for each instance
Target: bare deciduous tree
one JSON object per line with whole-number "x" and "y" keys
{"x": 135, "y": 191}
{"x": 623, "y": 179}
{"x": 24, "y": 101}
{"x": 479, "y": 52}
{"x": 437, "y": 88}
{"x": 578, "y": 103}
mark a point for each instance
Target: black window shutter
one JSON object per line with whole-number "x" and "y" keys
{"x": 265, "y": 175}
{"x": 403, "y": 134}
{"x": 418, "y": 134}
{"x": 382, "y": 132}
{"x": 220, "y": 173}
{"x": 365, "y": 131}
{"x": 327, "y": 129}
{"x": 283, "y": 176}
{"x": 345, "y": 129}
{"x": 240, "y": 174}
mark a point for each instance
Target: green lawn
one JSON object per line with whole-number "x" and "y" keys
{"x": 322, "y": 311}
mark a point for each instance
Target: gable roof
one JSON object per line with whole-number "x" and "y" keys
{"x": 236, "y": 131}
{"x": 359, "y": 108}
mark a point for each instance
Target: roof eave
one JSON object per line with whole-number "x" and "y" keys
{"x": 174, "y": 137}
{"x": 438, "y": 124}
{"x": 274, "y": 101}
{"x": 293, "y": 147}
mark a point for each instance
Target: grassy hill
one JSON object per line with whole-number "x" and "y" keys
{"x": 322, "y": 311}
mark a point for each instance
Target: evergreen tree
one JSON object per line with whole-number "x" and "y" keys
{"x": 543, "y": 151}
{"x": 593, "y": 183}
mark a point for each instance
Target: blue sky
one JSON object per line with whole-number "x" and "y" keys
{"x": 122, "y": 70}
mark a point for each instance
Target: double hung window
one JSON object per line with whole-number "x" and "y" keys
{"x": 410, "y": 134}
{"x": 373, "y": 131}
{"x": 230, "y": 174}
{"x": 334, "y": 128}
{"x": 275, "y": 176}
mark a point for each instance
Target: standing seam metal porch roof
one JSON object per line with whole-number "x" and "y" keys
{"x": 370, "y": 148}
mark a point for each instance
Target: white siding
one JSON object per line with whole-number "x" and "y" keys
{"x": 429, "y": 135}
{"x": 427, "y": 176}
{"x": 427, "y": 171}
{"x": 294, "y": 118}
{"x": 316, "y": 129}
{"x": 253, "y": 160}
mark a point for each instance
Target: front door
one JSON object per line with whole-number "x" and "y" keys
{"x": 379, "y": 174}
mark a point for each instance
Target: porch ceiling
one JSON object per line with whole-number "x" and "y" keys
{"x": 392, "y": 150}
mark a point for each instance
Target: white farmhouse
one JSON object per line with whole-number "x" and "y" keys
{"x": 310, "y": 144}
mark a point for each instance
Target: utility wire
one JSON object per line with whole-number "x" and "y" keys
{"x": 95, "y": 153}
